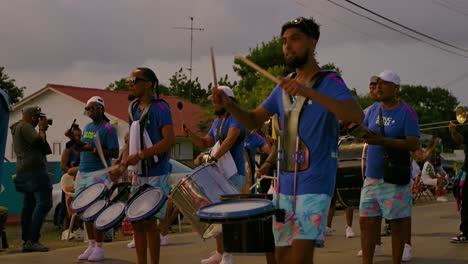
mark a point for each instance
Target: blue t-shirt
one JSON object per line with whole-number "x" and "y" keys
{"x": 107, "y": 135}
{"x": 4, "y": 117}
{"x": 253, "y": 142}
{"x": 318, "y": 129}
{"x": 237, "y": 151}
{"x": 158, "y": 116}
{"x": 400, "y": 122}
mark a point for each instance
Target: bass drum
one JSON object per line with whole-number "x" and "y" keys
{"x": 351, "y": 171}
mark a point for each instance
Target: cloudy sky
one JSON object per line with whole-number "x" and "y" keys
{"x": 94, "y": 42}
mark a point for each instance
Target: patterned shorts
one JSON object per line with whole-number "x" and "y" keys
{"x": 85, "y": 179}
{"x": 237, "y": 181}
{"x": 309, "y": 221}
{"x": 387, "y": 200}
{"x": 161, "y": 182}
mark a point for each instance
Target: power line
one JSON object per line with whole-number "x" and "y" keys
{"x": 456, "y": 80}
{"x": 396, "y": 30}
{"x": 447, "y": 6}
{"x": 407, "y": 28}
{"x": 191, "y": 28}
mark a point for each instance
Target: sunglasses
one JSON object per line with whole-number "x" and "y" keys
{"x": 300, "y": 20}
{"x": 91, "y": 108}
{"x": 133, "y": 80}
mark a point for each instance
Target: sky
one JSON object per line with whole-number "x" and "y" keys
{"x": 93, "y": 43}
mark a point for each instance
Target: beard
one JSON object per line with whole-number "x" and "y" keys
{"x": 220, "y": 112}
{"x": 131, "y": 97}
{"x": 296, "y": 61}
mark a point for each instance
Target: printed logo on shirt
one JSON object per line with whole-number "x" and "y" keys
{"x": 386, "y": 120}
{"x": 89, "y": 134}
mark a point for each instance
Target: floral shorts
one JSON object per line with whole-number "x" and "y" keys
{"x": 387, "y": 200}
{"x": 161, "y": 182}
{"x": 85, "y": 179}
{"x": 309, "y": 221}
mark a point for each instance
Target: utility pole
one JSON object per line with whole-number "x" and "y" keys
{"x": 191, "y": 28}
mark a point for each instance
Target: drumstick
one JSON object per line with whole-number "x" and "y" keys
{"x": 213, "y": 66}
{"x": 260, "y": 179}
{"x": 258, "y": 69}
{"x": 180, "y": 105}
{"x": 97, "y": 142}
{"x": 102, "y": 171}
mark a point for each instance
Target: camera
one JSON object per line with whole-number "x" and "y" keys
{"x": 49, "y": 120}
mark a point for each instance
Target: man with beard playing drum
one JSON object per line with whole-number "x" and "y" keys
{"x": 151, "y": 137}
{"x": 308, "y": 172}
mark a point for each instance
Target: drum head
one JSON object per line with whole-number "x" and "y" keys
{"x": 89, "y": 195}
{"x": 93, "y": 210}
{"x": 240, "y": 210}
{"x": 146, "y": 204}
{"x": 110, "y": 216}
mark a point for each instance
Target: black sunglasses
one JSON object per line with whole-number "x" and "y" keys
{"x": 133, "y": 80}
{"x": 300, "y": 20}
{"x": 91, "y": 108}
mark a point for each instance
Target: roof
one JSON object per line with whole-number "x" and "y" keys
{"x": 117, "y": 104}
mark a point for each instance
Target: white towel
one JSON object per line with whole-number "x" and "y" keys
{"x": 134, "y": 146}
{"x": 226, "y": 163}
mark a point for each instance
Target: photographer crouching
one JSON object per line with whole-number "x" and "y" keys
{"x": 32, "y": 179}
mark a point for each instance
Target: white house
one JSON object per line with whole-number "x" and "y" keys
{"x": 65, "y": 103}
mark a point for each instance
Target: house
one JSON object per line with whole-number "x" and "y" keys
{"x": 65, "y": 103}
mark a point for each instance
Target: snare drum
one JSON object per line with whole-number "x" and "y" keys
{"x": 351, "y": 168}
{"x": 204, "y": 186}
{"x": 110, "y": 216}
{"x": 145, "y": 204}
{"x": 88, "y": 196}
{"x": 93, "y": 210}
{"x": 246, "y": 222}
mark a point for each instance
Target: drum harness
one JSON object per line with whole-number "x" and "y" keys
{"x": 293, "y": 107}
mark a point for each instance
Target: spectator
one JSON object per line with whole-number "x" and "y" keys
{"x": 434, "y": 177}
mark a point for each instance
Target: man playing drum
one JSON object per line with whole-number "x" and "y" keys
{"x": 307, "y": 175}
{"x": 150, "y": 118}
{"x": 90, "y": 162}
{"x": 230, "y": 134}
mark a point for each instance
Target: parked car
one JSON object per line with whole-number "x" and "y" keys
{"x": 179, "y": 171}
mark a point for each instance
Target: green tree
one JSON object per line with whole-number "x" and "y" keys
{"x": 8, "y": 85}
{"x": 119, "y": 85}
{"x": 180, "y": 85}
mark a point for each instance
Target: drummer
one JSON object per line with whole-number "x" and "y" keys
{"x": 90, "y": 161}
{"x": 297, "y": 228}
{"x": 151, "y": 117}
{"x": 231, "y": 136}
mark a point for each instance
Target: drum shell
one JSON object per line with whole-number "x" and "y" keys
{"x": 203, "y": 187}
{"x": 251, "y": 236}
{"x": 350, "y": 174}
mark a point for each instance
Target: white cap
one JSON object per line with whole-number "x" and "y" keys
{"x": 389, "y": 76}
{"x": 226, "y": 90}
{"x": 96, "y": 99}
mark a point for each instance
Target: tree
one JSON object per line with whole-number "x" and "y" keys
{"x": 180, "y": 85}
{"x": 119, "y": 85}
{"x": 8, "y": 85}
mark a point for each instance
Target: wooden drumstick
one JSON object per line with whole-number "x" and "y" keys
{"x": 258, "y": 69}
{"x": 213, "y": 66}
{"x": 99, "y": 150}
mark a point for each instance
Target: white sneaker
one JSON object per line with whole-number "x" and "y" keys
{"x": 131, "y": 244}
{"x": 442, "y": 199}
{"x": 378, "y": 251}
{"x": 349, "y": 232}
{"x": 213, "y": 259}
{"x": 407, "y": 253}
{"x": 328, "y": 231}
{"x": 227, "y": 259}
{"x": 97, "y": 255}
{"x": 164, "y": 240}
{"x": 85, "y": 255}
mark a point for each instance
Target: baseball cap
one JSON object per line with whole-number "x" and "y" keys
{"x": 373, "y": 79}
{"x": 226, "y": 90}
{"x": 389, "y": 76}
{"x": 96, "y": 99}
{"x": 32, "y": 111}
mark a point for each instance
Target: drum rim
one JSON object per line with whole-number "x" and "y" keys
{"x": 82, "y": 209}
{"x": 268, "y": 209}
{"x": 113, "y": 222}
{"x": 149, "y": 213}
{"x": 94, "y": 216}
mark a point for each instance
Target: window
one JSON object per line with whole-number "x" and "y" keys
{"x": 57, "y": 148}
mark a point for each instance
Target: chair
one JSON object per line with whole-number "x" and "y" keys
{"x": 67, "y": 183}
{"x": 421, "y": 190}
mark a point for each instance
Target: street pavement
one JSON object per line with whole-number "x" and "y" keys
{"x": 433, "y": 225}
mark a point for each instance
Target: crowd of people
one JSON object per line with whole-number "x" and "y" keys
{"x": 310, "y": 105}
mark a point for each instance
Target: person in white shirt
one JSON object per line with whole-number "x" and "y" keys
{"x": 432, "y": 177}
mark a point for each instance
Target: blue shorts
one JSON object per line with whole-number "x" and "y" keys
{"x": 161, "y": 182}
{"x": 387, "y": 200}
{"x": 308, "y": 223}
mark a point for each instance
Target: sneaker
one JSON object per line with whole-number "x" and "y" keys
{"x": 30, "y": 246}
{"x": 216, "y": 258}
{"x": 459, "y": 239}
{"x": 329, "y": 231}
{"x": 227, "y": 259}
{"x": 407, "y": 253}
{"x": 85, "y": 255}
{"x": 349, "y": 232}
{"x": 442, "y": 199}
{"x": 164, "y": 240}
{"x": 97, "y": 255}
{"x": 131, "y": 244}
{"x": 378, "y": 251}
